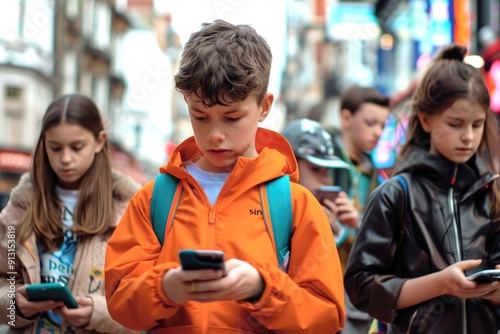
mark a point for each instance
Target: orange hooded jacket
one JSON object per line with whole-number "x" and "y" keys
{"x": 307, "y": 299}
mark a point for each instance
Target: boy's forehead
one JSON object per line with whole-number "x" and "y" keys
{"x": 200, "y": 98}
{"x": 196, "y": 103}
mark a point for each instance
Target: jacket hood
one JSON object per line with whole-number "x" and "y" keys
{"x": 275, "y": 159}
{"x": 124, "y": 188}
{"x": 441, "y": 171}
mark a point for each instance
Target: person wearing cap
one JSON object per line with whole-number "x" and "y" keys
{"x": 313, "y": 149}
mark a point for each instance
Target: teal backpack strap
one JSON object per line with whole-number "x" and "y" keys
{"x": 280, "y": 211}
{"x": 163, "y": 194}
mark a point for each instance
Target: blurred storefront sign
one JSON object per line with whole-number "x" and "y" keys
{"x": 440, "y": 27}
{"x": 491, "y": 56}
{"x": 14, "y": 161}
{"x": 352, "y": 21}
{"x": 12, "y": 164}
{"x": 463, "y": 22}
{"x": 140, "y": 3}
{"x": 493, "y": 79}
{"x": 127, "y": 163}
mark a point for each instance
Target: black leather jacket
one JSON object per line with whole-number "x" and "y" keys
{"x": 446, "y": 222}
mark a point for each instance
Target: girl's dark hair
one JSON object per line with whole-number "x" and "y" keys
{"x": 94, "y": 212}
{"x": 447, "y": 80}
{"x": 224, "y": 63}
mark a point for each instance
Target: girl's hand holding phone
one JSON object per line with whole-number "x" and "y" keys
{"x": 457, "y": 284}
{"x": 77, "y": 317}
{"x": 493, "y": 296}
{"x": 30, "y": 308}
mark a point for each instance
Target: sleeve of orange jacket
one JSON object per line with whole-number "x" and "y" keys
{"x": 310, "y": 297}
{"x": 130, "y": 270}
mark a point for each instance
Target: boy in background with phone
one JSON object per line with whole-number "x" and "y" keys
{"x": 313, "y": 149}
{"x": 223, "y": 76}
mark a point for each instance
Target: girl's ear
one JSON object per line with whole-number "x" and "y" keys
{"x": 101, "y": 140}
{"x": 425, "y": 121}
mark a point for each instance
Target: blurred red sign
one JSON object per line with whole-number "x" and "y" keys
{"x": 140, "y": 3}
{"x": 14, "y": 161}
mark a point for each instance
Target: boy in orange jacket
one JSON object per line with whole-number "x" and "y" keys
{"x": 223, "y": 76}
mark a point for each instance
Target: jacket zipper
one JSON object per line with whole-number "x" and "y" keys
{"x": 414, "y": 315}
{"x": 458, "y": 247}
{"x": 205, "y": 307}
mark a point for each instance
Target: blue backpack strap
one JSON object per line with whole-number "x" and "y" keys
{"x": 406, "y": 200}
{"x": 163, "y": 194}
{"x": 280, "y": 211}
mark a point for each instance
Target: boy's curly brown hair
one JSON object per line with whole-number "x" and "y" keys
{"x": 224, "y": 63}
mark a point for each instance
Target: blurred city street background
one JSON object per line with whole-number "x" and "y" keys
{"x": 123, "y": 54}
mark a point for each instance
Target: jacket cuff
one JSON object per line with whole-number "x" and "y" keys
{"x": 257, "y": 304}
{"x": 158, "y": 286}
{"x": 340, "y": 236}
{"x": 9, "y": 313}
{"x": 99, "y": 313}
{"x": 21, "y": 320}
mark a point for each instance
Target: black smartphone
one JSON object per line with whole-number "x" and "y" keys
{"x": 330, "y": 192}
{"x": 51, "y": 291}
{"x": 194, "y": 259}
{"x": 485, "y": 276}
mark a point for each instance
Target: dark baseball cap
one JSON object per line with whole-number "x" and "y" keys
{"x": 311, "y": 142}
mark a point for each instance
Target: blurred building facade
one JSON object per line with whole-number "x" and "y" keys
{"x": 379, "y": 43}
{"x": 330, "y": 44}
{"x": 147, "y": 122}
{"x": 53, "y": 47}
{"x": 49, "y": 48}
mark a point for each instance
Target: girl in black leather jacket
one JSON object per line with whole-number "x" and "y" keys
{"x": 409, "y": 264}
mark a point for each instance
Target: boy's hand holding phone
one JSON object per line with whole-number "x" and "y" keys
{"x": 235, "y": 280}
{"x": 338, "y": 207}
{"x": 192, "y": 259}
{"x": 348, "y": 215}
{"x": 328, "y": 192}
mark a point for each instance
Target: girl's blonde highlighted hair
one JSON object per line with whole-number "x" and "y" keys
{"x": 94, "y": 212}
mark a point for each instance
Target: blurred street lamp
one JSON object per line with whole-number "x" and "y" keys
{"x": 136, "y": 118}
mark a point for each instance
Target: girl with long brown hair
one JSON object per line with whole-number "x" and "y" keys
{"x": 61, "y": 215}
